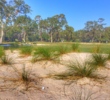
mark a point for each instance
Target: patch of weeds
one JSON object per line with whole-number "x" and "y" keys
{"x": 98, "y": 60}
{"x": 25, "y": 78}
{"x": 108, "y": 57}
{"x": 77, "y": 70}
{"x": 26, "y": 50}
{"x": 62, "y": 49}
{"x": 6, "y": 60}
{"x": 75, "y": 47}
{"x": 2, "y": 52}
{"x": 44, "y": 53}
{"x": 83, "y": 93}
{"x": 97, "y": 49}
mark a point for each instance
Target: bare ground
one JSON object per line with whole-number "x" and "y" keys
{"x": 13, "y": 88}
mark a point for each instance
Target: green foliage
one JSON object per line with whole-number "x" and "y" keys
{"x": 62, "y": 49}
{"x": 26, "y": 50}
{"x": 6, "y": 60}
{"x": 2, "y": 52}
{"x": 98, "y": 60}
{"x": 97, "y": 49}
{"x": 81, "y": 69}
{"x": 77, "y": 70}
{"x": 75, "y": 46}
{"x": 44, "y": 53}
{"x": 25, "y": 75}
{"x": 108, "y": 57}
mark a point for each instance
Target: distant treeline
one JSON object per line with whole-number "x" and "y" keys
{"x": 16, "y": 25}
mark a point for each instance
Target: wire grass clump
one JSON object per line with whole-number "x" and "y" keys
{"x": 2, "y": 51}
{"x": 45, "y": 53}
{"x": 98, "y": 60}
{"x": 62, "y": 49}
{"x": 83, "y": 93}
{"x": 7, "y": 60}
{"x": 97, "y": 49}
{"x": 108, "y": 57}
{"x": 26, "y": 78}
{"x": 26, "y": 50}
{"x": 75, "y": 47}
{"x": 77, "y": 70}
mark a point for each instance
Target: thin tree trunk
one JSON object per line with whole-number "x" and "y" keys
{"x": 51, "y": 37}
{"x": 2, "y": 33}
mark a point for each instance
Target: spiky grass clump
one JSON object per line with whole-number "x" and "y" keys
{"x": 6, "y": 60}
{"x": 81, "y": 69}
{"x": 77, "y": 70}
{"x": 83, "y": 93}
{"x": 44, "y": 53}
{"x": 62, "y": 49}
{"x": 26, "y": 78}
{"x": 98, "y": 60}
{"x": 26, "y": 50}
{"x": 25, "y": 75}
{"x": 75, "y": 46}
{"x": 97, "y": 49}
{"x": 108, "y": 57}
{"x": 2, "y": 52}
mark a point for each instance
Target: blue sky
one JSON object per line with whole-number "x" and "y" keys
{"x": 77, "y": 12}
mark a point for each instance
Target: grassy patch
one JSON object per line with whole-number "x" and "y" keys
{"x": 6, "y": 60}
{"x": 77, "y": 70}
{"x": 44, "y": 53}
{"x": 26, "y": 50}
{"x": 2, "y": 52}
{"x": 98, "y": 60}
{"x": 75, "y": 47}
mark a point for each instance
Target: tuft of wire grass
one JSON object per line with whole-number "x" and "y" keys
{"x": 26, "y": 78}
{"x": 2, "y": 52}
{"x": 45, "y": 53}
{"x": 6, "y": 60}
{"x": 62, "y": 49}
{"x": 83, "y": 93}
{"x": 26, "y": 50}
{"x": 98, "y": 60}
{"x": 77, "y": 70}
{"x": 97, "y": 49}
{"x": 75, "y": 46}
{"x": 108, "y": 56}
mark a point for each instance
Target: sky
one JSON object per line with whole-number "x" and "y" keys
{"x": 77, "y": 12}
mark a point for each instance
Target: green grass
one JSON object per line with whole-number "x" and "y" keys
{"x": 94, "y": 47}
{"x": 98, "y": 60}
{"x": 2, "y": 51}
{"x": 45, "y": 53}
{"x": 75, "y": 47}
{"x": 26, "y": 50}
{"x": 61, "y": 49}
{"x": 77, "y": 70}
{"x": 7, "y": 60}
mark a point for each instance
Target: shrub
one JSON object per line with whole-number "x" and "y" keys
{"x": 2, "y": 52}
{"x": 75, "y": 46}
{"x": 25, "y": 78}
{"x": 6, "y": 60}
{"x": 97, "y": 49}
{"x": 26, "y": 50}
{"x": 77, "y": 70}
{"x": 61, "y": 49}
{"x": 44, "y": 53}
{"x": 98, "y": 60}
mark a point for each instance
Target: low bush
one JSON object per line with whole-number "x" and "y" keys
{"x": 2, "y": 51}
{"x": 26, "y": 50}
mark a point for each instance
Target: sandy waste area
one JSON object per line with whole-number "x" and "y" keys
{"x": 42, "y": 88}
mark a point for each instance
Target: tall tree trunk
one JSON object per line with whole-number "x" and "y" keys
{"x": 2, "y": 33}
{"x": 51, "y": 37}
{"x": 23, "y": 35}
